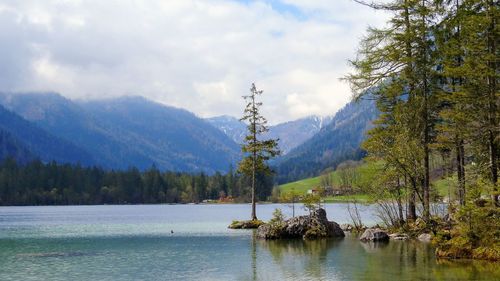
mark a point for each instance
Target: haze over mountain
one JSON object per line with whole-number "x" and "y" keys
{"x": 24, "y": 141}
{"x": 129, "y": 131}
{"x": 133, "y": 131}
{"x": 290, "y": 134}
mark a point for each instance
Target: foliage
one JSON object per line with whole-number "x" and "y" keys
{"x": 476, "y": 235}
{"x": 311, "y": 202}
{"x": 249, "y": 224}
{"x": 37, "y": 183}
{"x": 256, "y": 151}
{"x": 278, "y": 217}
{"x": 433, "y": 72}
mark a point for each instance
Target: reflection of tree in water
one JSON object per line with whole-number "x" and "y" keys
{"x": 350, "y": 259}
{"x": 298, "y": 257}
{"x": 409, "y": 260}
{"x": 413, "y": 260}
{"x": 254, "y": 255}
{"x": 467, "y": 270}
{"x": 374, "y": 247}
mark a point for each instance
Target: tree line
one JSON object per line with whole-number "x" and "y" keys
{"x": 433, "y": 71}
{"x": 38, "y": 183}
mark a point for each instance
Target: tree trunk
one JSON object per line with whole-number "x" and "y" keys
{"x": 460, "y": 172}
{"x": 492, "y": 102}
{"x": 412, "y": 211}
{"x": 254, "y": 214}
{"x": 254, "y": 157}
{"x": 400, "y": 205}
{"x": 425, "y": 117}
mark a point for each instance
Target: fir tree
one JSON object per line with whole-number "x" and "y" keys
{"x": 257, "y": 151}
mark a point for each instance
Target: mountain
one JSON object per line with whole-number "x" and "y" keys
{"x": 12, "y": 147}
{"x": 24, "y": 140}
{"x": 293, "y": 133}
{"x": 173, "y": 138}
{"x": 290, "y": 134}
{"x": 129, "y": 131}
{"x": 231, "y": 126}
{"x": 336, "y": 142}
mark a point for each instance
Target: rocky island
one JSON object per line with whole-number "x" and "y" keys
{"x": 312, "y": 226}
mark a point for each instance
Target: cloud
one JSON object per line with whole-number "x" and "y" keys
{"x": 201, "y": 55}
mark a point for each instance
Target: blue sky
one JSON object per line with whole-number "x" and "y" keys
{"x": 201, "y": 55}
{"x": 283, "y": 8}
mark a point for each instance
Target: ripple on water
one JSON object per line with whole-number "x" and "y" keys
{"x": 136, "y": 243}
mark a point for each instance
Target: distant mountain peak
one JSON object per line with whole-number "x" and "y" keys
{"x": 339, "y": 139}
{"x": 290, "y": 133}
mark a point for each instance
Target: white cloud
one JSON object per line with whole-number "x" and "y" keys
{"x": 197, "y": 54}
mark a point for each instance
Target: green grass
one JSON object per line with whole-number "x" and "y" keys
{"x": 360, "y": 198}
{"x": 302, "y": 186}
{"x": 445, "y": 185}
{"x": 367, "y": 173}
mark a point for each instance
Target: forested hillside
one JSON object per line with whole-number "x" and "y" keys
{"x": 37, "y": 183}
{"x": 24, "y": 140}
{"x": 12, "y": 147}
{"x": 118, "y": 133}
{"x": 338, "y": 141}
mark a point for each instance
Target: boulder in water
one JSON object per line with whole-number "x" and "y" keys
{"x": 375, "y": 235}
{"x": 399, "y": 236}
{"x": 425, "y": 237}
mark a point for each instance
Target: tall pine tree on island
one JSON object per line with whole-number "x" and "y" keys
{"x": 256, "y": 151}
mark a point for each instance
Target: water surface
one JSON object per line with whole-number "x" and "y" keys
{"x": 135, "y": 242}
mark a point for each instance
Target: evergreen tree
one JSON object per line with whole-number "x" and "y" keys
{"x": 400, "y": 61}
{"x": 257, "y": 151}
{"x": 467, "y": 39}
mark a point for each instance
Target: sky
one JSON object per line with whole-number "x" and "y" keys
{"x": 201, "y": 55}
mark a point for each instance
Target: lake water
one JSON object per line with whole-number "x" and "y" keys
{"x": 134, "y": 242}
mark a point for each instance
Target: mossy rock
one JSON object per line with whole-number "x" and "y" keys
{"x": 314, "y": 232}
{"x": 249, "y": 224}
{"x": 312, "y": 226}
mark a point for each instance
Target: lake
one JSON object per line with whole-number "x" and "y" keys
{"x": 135, "y": 242}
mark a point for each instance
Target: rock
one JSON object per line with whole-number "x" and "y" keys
{"x": 313, "y": 226}
{"x": 270, "y": 231}
{"x": 425, "y": 237}
{"x": 375, "y": 235}
{"x": 399, "y": 236}
{"x": 246, "y": 224}
{"x": 346, "y": 227}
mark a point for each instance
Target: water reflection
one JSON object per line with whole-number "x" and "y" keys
{"x": 350, "y": 259}
{"x": 296, "y": 258}
{"x": 135, "y": 243}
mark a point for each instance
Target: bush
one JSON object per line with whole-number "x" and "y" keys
{"x": 476, "y": 235}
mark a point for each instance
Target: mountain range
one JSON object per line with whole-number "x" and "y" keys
{"x": 290, "y": 134}
{"x": 123, "y": 132}
{"x": 338, "y": 141}
{"x": 135, "y": 132}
